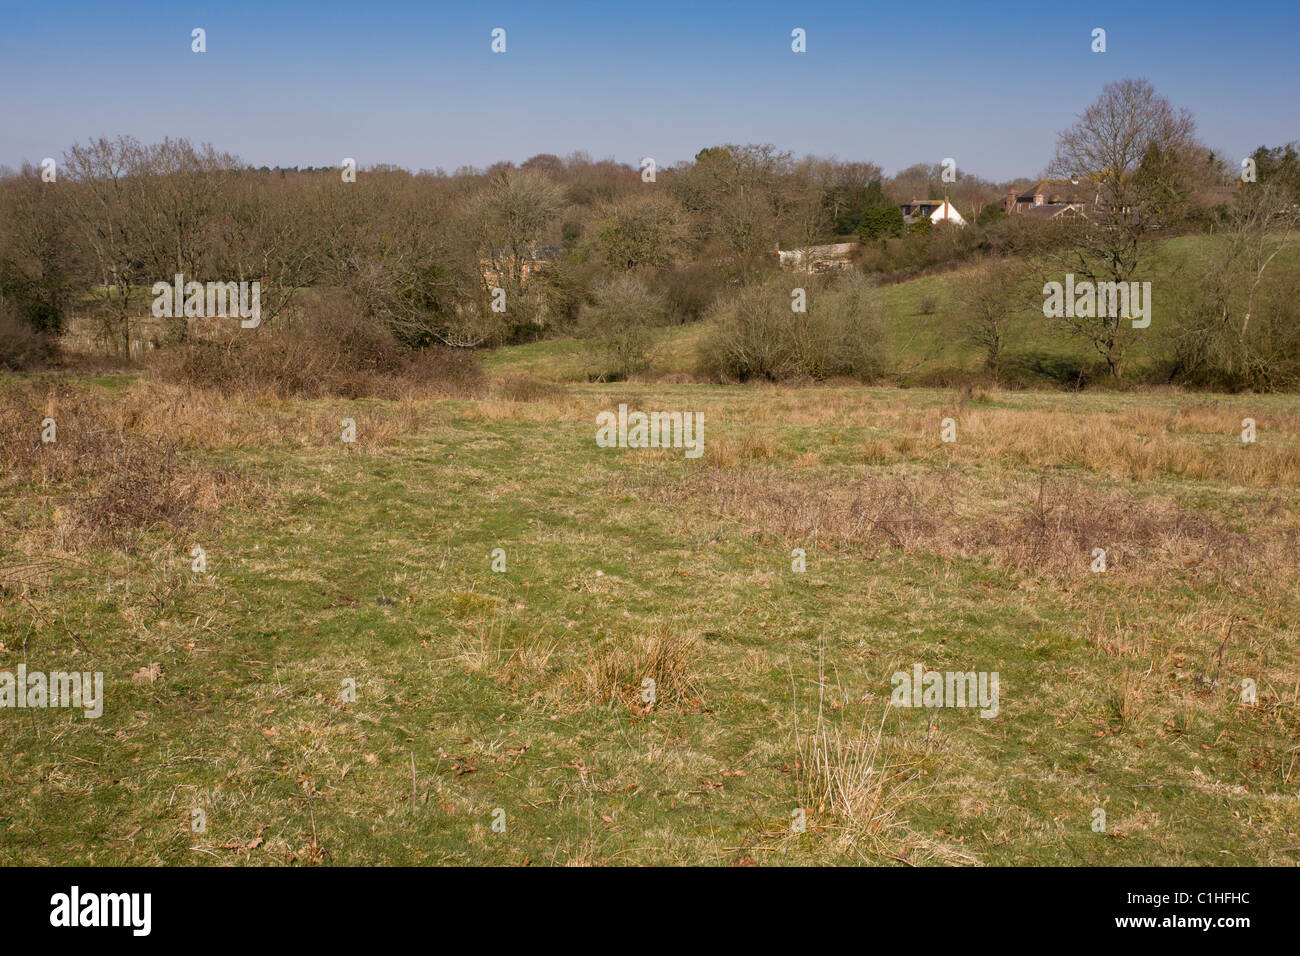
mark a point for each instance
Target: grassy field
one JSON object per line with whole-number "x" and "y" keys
{"x": 515, "y": 697}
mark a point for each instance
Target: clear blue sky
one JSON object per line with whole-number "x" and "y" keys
{"x": 415, "y": 83}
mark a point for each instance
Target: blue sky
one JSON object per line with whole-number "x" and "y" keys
{"x": 415, "y": 83}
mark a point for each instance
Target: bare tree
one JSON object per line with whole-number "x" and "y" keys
{"x": 990, "y": 300}
{"x": 1106, "y": 148}
{"x": 645, "y": 229}
{"x": 106, "y": 194}
{"x": 508, "y": 218}
{"x": 736, "y": 193}
{"x": 803, "y": 216}
{"x": 180, "y": 192}
{"x": 274, "y": 233}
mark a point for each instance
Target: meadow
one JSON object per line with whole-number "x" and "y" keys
{"x": 349, "y": 681}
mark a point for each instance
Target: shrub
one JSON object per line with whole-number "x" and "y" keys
{"x": 38, "y": 303}
{"x": 110, "y": 483}
{"x": 1235, "y": 329}
{"x": 756, "y": 334}
{"x": 329, "y": 352}
{"x": 622, "y": 324}
{"x": 565, "y": 286}
{"x": 21, "y": 346}
{"x": 751, "y": 336}
{"x": 690, "y": 290}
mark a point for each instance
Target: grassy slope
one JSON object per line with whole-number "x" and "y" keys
{"x": 478, "y": 690}
{"x": 924, "y": 342}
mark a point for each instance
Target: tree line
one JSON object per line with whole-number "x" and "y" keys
{"x": 572, "y": 244}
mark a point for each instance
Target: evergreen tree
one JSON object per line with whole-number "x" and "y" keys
{"x": 880, "y": 218}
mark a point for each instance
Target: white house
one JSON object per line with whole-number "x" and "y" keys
{"x": 939, "y": 210}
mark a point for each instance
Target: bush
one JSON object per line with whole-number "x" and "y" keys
{"x": 33, "y": 301}
{"x": 565, "y": 286}
{"x": 21, "y": 346}
{"x": 878, "y": 218}
{"x": 111, "y": 484}
{"x": 756, "y": 335}
{"x": 940, "y": 248}
{"x": 622, "y": 325}
{"x": 1214, "y": 346}
{"x": 329, "y": 352}
{"x": 690, "y": 290}
{"x": 1237, "y": 321}
{"x": 881, "y": 222}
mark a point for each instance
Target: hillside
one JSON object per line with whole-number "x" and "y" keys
{"x": 926, "y": 342}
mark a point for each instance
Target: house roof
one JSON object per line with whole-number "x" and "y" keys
{"x": 1059, "y": 191}
{"x": 1051, "y": 210}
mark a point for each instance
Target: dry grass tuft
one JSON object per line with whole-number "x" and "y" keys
{"x": 842, "y": 773}
{"x": 724, "y": 452}
{"x": 647, "y": 673}
{"x": 525, "y": 388}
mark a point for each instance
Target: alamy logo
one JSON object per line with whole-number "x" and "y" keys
{"x": 1094, "y": 300}
{"x": 37, "y": 689}
{"x": 651, "y": 430}
{"x": 196, "y": 300}
{"x": 953, "y": 689}
{"x": 103, "y": 909}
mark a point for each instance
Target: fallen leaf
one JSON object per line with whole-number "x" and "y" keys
{"x": 148, "y": 674}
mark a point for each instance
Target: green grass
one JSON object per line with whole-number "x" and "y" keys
{"x": 371, "y": 564}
